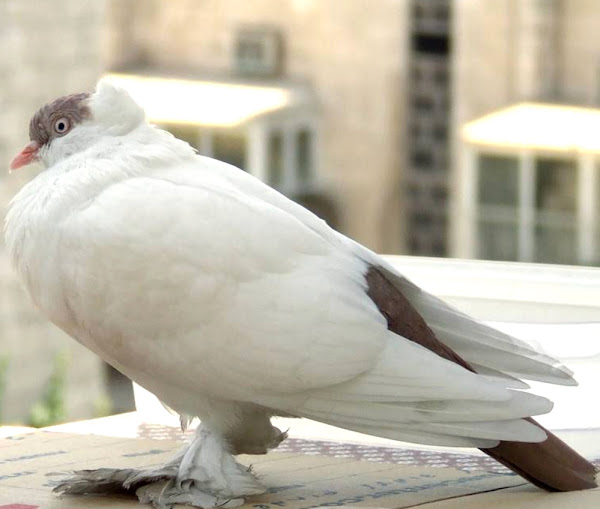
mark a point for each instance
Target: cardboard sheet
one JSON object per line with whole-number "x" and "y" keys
{"x": 295, "y": 480}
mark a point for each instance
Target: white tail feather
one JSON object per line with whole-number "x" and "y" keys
{"x": 477, "y": 343}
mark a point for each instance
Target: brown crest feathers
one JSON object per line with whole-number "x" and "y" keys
{"x": 73, "y": 106}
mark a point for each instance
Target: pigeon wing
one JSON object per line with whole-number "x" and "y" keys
{"x": 213, "y": 290}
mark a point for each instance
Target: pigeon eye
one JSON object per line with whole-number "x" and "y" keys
{"x": 62, "y": 125}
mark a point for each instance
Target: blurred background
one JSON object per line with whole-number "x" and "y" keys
{"x": 444, "y": 128}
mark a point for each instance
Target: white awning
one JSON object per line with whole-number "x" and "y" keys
{"x": 210, "y": 103}
{"x": 537, "y": 126}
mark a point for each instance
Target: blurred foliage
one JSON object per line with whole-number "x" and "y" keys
{"x": 3, "y": 372}
{"x": 51, "y": 408}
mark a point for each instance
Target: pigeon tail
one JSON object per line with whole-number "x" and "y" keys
{"x": 551, "y": 465}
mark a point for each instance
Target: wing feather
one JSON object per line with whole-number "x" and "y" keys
{"x": 233, "y": 297}
{"x": 476, "y": 342}
{"x": 258, "y": 300}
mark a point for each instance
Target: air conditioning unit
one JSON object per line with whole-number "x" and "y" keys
{"x": 258, "y": 52}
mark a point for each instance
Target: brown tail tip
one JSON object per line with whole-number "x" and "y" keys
{"x": 551, "y": 465}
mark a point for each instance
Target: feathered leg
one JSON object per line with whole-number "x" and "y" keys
{"x": 204, "y": 474}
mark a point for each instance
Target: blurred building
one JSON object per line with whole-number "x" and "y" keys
{"x": 48, "y": 49}
{"x": 306, "y": 95}
{"x": 426, "y": 164}
{"x": 367, "y": 105}
{"x": 525, "y": 179}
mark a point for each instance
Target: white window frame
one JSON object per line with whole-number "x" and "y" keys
{"x": 587, "y": 217}
{"x": 258, "y": 157}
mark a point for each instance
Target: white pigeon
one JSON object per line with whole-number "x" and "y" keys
{"x": 234, "y": 304}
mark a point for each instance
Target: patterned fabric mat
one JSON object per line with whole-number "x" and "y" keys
{"x": 363, "y": 452}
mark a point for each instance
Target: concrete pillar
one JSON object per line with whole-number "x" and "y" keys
{"x": 256, "y": 153}
{"x": 463, "y": 218}
{"x": 205, "y": 142}
{"x": 526, "y": 206}
{"x": 587, "y": 207}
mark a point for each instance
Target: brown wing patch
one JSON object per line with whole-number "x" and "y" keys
{"x": 404, "y": 319}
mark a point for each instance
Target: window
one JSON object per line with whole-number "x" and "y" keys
{"x": 555, "y": 211}
{"x": 440, "y": 133}
{"x": 423, "y": 104}
{"x": 527, "y": 211}
{"x": 422, "y": 220}
{"x": 441, "y": 76}
{"x": 226, "y": 144}
{"x": 498, "y": 240}
{"x": 431, "y": 44}
{"x": 258, "y": 52}
{"x": 555, "y": 244}
{"x": 498, "y": 198}
{"x": 290, "y": 156}
{"x": 187, "y": 133}
{"x": 498, "y": 180}
{"x": 439, "y": 195}
{"x": 422, "y": 158}
{"x": 304, "y": 155}
{"x": 230, "y": 146}
{"x": 275, "y": 159}
{"x": 556, "y": 185}
{"x": 250, "y": 52}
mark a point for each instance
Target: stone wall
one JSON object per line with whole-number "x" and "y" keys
{"x": 49, "y": 48}
{"x": 579, "y": 54}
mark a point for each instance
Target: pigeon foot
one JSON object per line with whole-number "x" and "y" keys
{"x": 203, "y": 475}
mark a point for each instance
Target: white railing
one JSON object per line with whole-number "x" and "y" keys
{"x": 508, "y": 291}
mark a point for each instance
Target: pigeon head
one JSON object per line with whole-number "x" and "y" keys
{"x": 75, "y": 122}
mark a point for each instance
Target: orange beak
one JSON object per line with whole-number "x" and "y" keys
{"x": 26, "y": 156}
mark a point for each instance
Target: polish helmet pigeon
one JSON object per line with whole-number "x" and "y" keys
{"x": 234, "y": 304}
